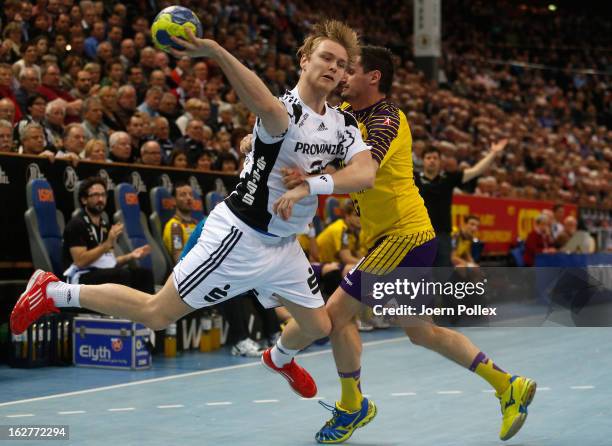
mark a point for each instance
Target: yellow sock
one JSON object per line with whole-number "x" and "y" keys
{"x": 486, "y": 369}
{"x": 351, "y": 391}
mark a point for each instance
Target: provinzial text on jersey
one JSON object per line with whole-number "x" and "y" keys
{"x": 317, "y": 149}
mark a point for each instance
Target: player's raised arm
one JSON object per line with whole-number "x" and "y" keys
{"x": 249, "y": 87}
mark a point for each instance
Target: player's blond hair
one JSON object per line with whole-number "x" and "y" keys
{"x": 331, "y": 30}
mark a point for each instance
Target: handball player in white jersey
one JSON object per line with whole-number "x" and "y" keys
{"x": 248, "y": 241}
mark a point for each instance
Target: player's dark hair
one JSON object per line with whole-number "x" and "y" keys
{"x": 86, "y": 184}
{"x": 178, "y": 185}
{"x": 429, "y": 150}
{"x": 470, "y": 217}
{"x": 380, "y": 59}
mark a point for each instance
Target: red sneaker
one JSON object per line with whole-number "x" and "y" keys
{"x": 298, "y": 378}
{"x": 34, "y": 302}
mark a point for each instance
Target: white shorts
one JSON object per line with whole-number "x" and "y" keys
{"x": 232, "y": 258}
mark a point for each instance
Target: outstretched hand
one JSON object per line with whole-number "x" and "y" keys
{"x": 194, "y": 46}
{"x": 498, "y": 146}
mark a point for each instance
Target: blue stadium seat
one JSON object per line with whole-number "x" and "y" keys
{"x": 136, "y": 233}
{"x": 163, "y": 208}
{"x": 198, "y": 207}
{"x": 45, "y": 226}
{"x": 333, "y": 211}
{"x": 213, "y": 198}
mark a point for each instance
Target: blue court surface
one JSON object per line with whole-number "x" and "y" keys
{"x": 216, "y": 399}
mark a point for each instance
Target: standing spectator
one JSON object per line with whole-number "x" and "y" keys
{"x": 92, "y": 120}
{"x": 89, "y": 241}
{"x": 178, "y": 229}
{"x": 436, "y": 187}
{"x": 538, "y": 241}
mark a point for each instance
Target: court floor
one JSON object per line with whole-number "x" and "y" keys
{"x": 216, "y": 399}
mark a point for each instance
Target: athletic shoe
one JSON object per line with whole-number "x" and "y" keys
{"x": 514, "y": 402}
{"x": 34, "y": 302}
{"x": 364, "y": 325}
{"x": 379, "y": 322}
{"x": 298, "y": 378}
{"x": 247, "y": 348}
{"x": 343, "y": 423}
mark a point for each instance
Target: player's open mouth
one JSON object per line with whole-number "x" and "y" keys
{"x": 326, "y": 76}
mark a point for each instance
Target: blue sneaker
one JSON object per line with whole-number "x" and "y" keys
{"x": 343, "y": 423}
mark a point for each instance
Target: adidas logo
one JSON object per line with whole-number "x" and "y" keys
{"x": 322, "y": 128}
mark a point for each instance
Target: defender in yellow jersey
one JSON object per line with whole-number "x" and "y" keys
{"x": 398, "y": 233}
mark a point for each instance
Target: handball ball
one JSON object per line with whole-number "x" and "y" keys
{"x": 174, "y": 21}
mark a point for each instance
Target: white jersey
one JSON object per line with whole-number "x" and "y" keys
{"x": 311, "y": 142}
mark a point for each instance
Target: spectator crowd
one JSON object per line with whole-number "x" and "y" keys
{"x": 81, "y": 80}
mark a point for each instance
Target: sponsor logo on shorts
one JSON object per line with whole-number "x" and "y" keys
{"x": 217, "y": 293}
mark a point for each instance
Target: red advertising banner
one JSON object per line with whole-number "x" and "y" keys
{"x": 502, "y": 220}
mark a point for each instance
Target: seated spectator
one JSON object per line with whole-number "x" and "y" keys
{"x": 6, "y": 136}
{"x": 181, "y": 225}
{"x": 161, "y": 133}
{"x": 158, "y": 79}
{"x": 115, "y": 72}
{"x": 51, "y": 89}
{"x": 539, "y": 240}
{"x": 120, "y": 148}
{"x": 126, "y": 104}
{"x": 6, "y": 87}
{"x": 73, "y": 143}
{"x": 226, "y": 162}
{"x": 186, "y": 84}
{"x": 178, "y": 158}
{"x": 7, "y": 110}
{"x": 55, "y": 112}
{"x": 89, "y": 245}
{"x": 557, "y": 225}
{"x": 150, "y": 106}
{"x": 575, "y": 239}
{"x": 33, "y": 141}
{"x": 96, "y": 36}
{"x": 108, "y": 97}
{"x": 167, "y": 109}
{"x": 82, "y": 85}
{"x": 193, "y": 141}
{"x": 95, "y": 150}
{"x": 225, "y": 121}
{"x": 92, "y": 119}
{"x": 206, "y": 161}
{"x": 193, "y": 108}
{"x": 150, "y": 154}
{"x": 29, "y": 81}
{"x": 339, "y": 241}
{"x": 461, "y": 255}
{"x": 36, "y": 113}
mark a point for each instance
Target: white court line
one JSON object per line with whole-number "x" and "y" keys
{"x": 20, "y": 415}
{"x": 121, "y": 409}
{"x": 170, "y": 406}
{"x": 403, "y": 394}
{"x": 265, "y": 401}
{"x": 582, "y": 387}
{"x": 449, "y": 392}
{"x": 182, "y": 375}
{"x": 220, "y": 403}
{"x": 70, "y": 412}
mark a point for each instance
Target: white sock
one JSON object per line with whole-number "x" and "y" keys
{"x": 282, "y": 355}
{"x": 64, "y": 294}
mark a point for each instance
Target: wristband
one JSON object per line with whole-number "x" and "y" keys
{"x": 321, "y": 185}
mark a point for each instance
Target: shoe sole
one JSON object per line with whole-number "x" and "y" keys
{"x": 366, "y": 420}
{"x": 276, "y": 372}
{"x": 526, "y": 398}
